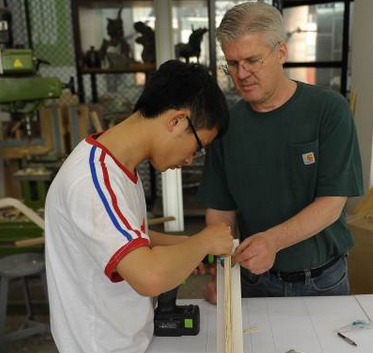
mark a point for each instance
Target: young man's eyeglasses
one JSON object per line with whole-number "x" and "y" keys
{"x": 200, "y": 150}
{"x": 251, "y": 65}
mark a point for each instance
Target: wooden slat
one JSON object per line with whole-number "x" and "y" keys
{"x": 40, "y": 241}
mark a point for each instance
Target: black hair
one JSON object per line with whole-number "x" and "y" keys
{"x": 179, "y": 85}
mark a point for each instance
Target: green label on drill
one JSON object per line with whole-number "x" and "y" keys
{"x": 188, "y": 323}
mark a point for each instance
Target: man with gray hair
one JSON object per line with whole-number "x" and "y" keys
{"x": 285, "y": 168}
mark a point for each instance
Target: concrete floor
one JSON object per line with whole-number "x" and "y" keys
{"x": 36, "y": 344}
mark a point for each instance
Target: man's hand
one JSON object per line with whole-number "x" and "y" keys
{"x": 256, "y": 253}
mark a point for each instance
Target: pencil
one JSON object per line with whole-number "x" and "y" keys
{"x": 348, "y": 340}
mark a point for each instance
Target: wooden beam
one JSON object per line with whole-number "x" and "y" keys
{"x": 40, "y": 241}
{"x": 229, "y": 308}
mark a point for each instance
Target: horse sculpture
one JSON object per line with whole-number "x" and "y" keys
{"x": 193, "y": 47}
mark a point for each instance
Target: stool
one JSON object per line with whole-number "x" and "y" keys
{"x": 19, "y": 267}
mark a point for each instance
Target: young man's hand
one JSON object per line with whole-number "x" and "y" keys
{"x": 218, "y": 239}
{"x": 221, "y": 242}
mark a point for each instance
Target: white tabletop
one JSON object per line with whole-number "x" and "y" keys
{"x": 366, "y": 303}
{"x": 305, "y": 324}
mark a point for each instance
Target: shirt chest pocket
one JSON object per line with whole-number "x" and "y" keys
{"x": 303, "y": 161}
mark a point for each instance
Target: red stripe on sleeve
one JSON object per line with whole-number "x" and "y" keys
{"x": 113, "y": 197}
{"x": 119, "y": 255}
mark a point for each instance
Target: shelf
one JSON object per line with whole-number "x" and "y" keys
{"x": 133, "y": 68}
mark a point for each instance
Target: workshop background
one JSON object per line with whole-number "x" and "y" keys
{"x": 93, "y": 59}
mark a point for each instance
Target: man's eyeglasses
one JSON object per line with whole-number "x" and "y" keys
{"x": 200, "y": 150}
{"x": 251, "y": 65}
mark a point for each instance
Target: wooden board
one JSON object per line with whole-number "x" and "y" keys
{"x": 236, "y": 310}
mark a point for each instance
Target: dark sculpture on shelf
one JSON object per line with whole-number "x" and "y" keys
{"x": 92, "y": 58}
{"x": 193, "y": 47}
{"x": 116, "y": 50}
{"x": 147, "y": 39}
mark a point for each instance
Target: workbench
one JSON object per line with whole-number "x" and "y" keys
{"x": 305, "y": 324}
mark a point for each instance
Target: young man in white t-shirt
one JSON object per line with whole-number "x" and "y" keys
{"x": 103, "y": 265}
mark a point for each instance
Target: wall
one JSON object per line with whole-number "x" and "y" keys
{"x": 362, "y": 82}
{"x": 360, "y": 260}
{"x": 361, "y": 257}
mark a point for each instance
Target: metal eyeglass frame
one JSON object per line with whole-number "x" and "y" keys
{"x": 225, "y": 67}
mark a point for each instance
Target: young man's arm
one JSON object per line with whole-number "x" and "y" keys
{"x": 212, "y": 217}
{"x": 151, "y": 271}
{"x": 159, "y": 239}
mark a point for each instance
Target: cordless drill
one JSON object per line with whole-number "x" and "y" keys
{"x": 177, "y": 320}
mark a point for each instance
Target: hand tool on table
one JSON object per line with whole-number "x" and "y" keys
{"x": 177, "y": 320}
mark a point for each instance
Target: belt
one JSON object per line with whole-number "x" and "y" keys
{"x": 300, "y": 276}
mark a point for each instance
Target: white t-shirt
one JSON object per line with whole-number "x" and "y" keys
{"x": 95, "y": 215}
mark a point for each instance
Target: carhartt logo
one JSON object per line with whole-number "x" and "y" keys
{"x": 308, "y": 158}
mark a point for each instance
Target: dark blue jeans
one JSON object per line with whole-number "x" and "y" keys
{"x": 333, "y": 281}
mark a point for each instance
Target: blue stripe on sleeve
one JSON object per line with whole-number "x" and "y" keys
{"x": 102, "y": 196}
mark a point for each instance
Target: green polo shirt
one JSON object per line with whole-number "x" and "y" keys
{"x": 269, "y": 166}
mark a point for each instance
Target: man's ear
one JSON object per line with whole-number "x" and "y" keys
{"x": 283, "y": 52}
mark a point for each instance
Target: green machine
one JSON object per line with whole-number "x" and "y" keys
{"x": 22, "y": 89}
{"x": 22, "y": 92}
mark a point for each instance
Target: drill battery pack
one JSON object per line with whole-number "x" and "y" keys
{"x": 183, "y": 320}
